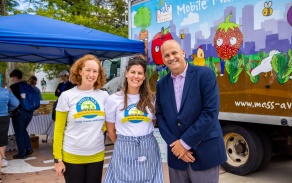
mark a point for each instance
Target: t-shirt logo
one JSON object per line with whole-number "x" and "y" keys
{"x": 88, "y": 107}
{"x": 133, "y": 115}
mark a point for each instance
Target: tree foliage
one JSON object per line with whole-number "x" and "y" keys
{"x": 8, "y": 6}
{"x": 52, "y": 70}
{"x": 105, "y": 15}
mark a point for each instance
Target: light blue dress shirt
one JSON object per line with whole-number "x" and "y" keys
{"x": 8, "y": 101}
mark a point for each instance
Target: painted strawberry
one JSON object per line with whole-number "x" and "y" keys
{"x": 228, "y": 39}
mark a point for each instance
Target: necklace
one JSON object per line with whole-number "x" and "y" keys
{"x": 129, "y": 100}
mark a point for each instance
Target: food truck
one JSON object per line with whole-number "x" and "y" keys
{"x": 248, "y": 45}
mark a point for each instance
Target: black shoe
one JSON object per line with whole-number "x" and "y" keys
{"x": 17, "y": 156}
{"x": 28, "y": 152}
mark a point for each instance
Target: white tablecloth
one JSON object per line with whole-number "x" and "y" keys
{"x": 39, "y": 125}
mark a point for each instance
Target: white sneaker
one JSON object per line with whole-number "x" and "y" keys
{"x": 4, "y": 162}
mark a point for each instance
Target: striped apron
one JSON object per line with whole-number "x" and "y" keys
{"x": 135, "y": 159}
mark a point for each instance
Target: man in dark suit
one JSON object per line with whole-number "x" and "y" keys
{"x": 187, "y": 107}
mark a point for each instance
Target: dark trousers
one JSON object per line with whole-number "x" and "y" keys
{"x": 20, "y": 120}
{"x": 191, "y": 176}
{"x": 83, "y": 173}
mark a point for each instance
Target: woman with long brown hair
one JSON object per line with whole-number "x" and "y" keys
{"x": 130, "y": 117}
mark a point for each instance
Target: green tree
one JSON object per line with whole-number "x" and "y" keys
{"x": 52, "y": 70}
{"x": 142, "y": 18}
{"x": 8, "y": 6}
{"x": 106, "y": 15}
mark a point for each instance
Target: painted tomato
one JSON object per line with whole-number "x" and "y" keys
{"x": 157, "y": 41}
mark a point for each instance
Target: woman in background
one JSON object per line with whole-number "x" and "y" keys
{"x": 78, "y": 135}
{"x": 32, "y": 81}
{"x": 8, "y": 102}
{"x": 130, "y": 123}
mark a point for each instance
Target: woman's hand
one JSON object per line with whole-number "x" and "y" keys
{"x": 154, "y": 122}
{"x": 111, "y": 130}
{"x": 60, "y": 168}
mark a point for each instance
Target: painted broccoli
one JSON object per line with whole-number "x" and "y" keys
{"x": 282, "y": 65}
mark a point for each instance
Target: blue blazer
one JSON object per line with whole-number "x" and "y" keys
{"x": 196, "y": 123}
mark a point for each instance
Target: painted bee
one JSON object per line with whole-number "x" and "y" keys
{"x": 267, "y": 11}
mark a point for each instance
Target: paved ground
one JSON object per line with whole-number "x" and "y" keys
{"x": 39, "y": 169}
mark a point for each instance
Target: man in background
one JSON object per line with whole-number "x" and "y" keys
{"x": 20, "y": 119}
{"x": 65, "y": 84}
{"x": 43, "y": 85}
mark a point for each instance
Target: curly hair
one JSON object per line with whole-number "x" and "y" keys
{"x": 147, "y": 98}
{"x": 77, "y": 67}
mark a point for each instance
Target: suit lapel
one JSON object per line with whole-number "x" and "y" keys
{"x": 170, "y": 88}
{"x": 187, "y": 84}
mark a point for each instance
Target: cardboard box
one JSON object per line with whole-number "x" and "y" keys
{"x": 34, "y": 140}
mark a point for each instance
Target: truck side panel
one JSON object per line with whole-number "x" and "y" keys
{"x": 247, "y": 43}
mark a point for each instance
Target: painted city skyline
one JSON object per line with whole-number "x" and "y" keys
{"x": 269, "y": 35}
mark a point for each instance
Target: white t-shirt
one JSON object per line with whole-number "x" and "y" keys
{"x": 131, "y": 121}
{"x": 83, "y": 132}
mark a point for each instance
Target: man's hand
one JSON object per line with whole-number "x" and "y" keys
{"x": 178, "y": 149}
{"x": 188, "y": 157}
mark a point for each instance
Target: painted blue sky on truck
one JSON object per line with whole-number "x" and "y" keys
{"x": 200, "y": 18}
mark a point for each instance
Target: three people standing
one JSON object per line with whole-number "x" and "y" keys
{"x": 186, "y": 109}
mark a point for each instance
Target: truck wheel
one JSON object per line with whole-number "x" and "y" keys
{"x": 268, "y": 149}
{"x": 244, "y": 150}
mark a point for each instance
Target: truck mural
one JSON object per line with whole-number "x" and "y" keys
{"x": 248, "y": 45}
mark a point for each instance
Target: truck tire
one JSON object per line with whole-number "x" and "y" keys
{"x": 268, "y": 150}
{"x": 244, "y": 150}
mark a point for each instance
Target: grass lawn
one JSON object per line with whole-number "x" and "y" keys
{"x": 49, "y": 96}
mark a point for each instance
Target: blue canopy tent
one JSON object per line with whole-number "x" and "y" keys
{"x": 33, "y": 38}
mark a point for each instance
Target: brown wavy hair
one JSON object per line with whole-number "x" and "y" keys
{"x": 32, "y": 80}
{"x": 79, "y": 64}
{"x": 147, "y": 98}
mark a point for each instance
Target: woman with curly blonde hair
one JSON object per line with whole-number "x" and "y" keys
{"x": 78, "y": 135}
